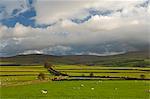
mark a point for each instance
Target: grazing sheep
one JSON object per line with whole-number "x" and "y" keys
{"x": 44, "y": 91}
{"x": 148, "y": 91}
{"x": 92, "y": 88}
{"x": 78, "y": 87}
{"x": 99, "y": 81}
{"x": 82, "y": 85}
{"x": 74, "y": 87}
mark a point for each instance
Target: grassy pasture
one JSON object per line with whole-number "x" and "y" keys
{"x": 11, "y": 80}
{"x": 21, "y": 81}
{"x": 10, "y": 75}
{"x": 17, "y": 78}
{"x": 132, "y": 75}
{"x": 74, "y": 90}
{"x": 18, "y": 74}
{"x": 101, "y": 70}
{"x": 22, "y": 70}
{"x": 79, "y": 70}
{"x": 97, "y": 67}
{"x": 12, "y": 87}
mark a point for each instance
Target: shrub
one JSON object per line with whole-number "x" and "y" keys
{"x": 142, "y": 76}
{"x": 91, "y": 74}
{"x": 83, "y": 75}
{"x": 41, "y": 76}
{"x": 47, "y": 65}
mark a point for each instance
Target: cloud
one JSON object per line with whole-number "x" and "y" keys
{"x": 10, "y": 5}
{"x": 127, "y": 24}
{"x": 32, "y": 52}
{"x": 49, "y": 11}
{"x": 56, "y": 10}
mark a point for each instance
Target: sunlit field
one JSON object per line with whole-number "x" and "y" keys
{"x": 79, "y": 90}
{"x": 17, "y": 74}
{"x": 18, "y": 81}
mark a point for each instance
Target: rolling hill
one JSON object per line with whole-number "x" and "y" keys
{"x": 137, "y": 59}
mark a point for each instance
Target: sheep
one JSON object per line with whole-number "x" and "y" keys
{"x": 74, "y": 87}
{"x": 148, "y": 91}
{"x": 78, "y": 87}
{"x": 92, "y": 88}
{"x": 99, "y": 81}
{"x": 82, "y": 85}
{"x": 44, "y": 91}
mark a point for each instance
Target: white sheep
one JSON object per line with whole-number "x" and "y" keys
{"x": 99, "y": 81}
{"x": 44, "y": 91}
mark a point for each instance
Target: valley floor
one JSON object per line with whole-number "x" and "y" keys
{"x": 101, "y": 89}
{"x": 21, "y": 82}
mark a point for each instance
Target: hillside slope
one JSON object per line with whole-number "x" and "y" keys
{"x": 141, "y": 59}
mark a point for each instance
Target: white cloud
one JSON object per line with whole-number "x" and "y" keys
{"x": 94, "y": 31}
{"x": 129, "y": 25}
{"x": 57, "y": 9}
{"x": 49, "y": 11}
{"x": 32, "y": 52}
{"x": 105, "y": 54}
{"x": 10, "y": 5}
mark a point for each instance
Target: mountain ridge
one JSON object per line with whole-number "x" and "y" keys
{"x": 130, "y": 58}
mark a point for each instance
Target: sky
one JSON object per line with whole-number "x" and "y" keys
{"x": 73, "y": 27}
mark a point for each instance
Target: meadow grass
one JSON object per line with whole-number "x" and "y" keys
{"x": 26, "y": 73}
{"x": 16, "y": 78}
{"x": 79, "y": 90}
{"x": 80, "y": 70}
{"x": 20, "y": 74}
{"x": 99, "y": 89}
{"x": 98, "y": 70}
{"x": 97, "y": 67}
{"x": 23, "y": 72}
{"x": 132, "y": 75}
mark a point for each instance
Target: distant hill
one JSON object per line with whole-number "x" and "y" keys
{"x": 138, "y": 59}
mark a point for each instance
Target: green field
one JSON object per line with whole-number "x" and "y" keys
{"x": 79, "y": 70}
{"x": 74, "y": 90}
{"x": 17, "y": 74}
{"x": 12, "y": 75}
{"x": 20, "y": 82}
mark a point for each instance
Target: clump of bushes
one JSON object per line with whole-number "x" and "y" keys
{"x": 142, "y": 76}
{"x": 91, "y": 74}
{"x": 47, "y": 65}
{"x": 41, "y": 76}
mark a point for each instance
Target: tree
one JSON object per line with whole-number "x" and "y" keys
{"x": 91, "y": 74}
{"x": 41, "y": 76}
{"x": 142, "y": 76}
{"x": 83, "y": 75}
{"x": 47, "y": 65}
